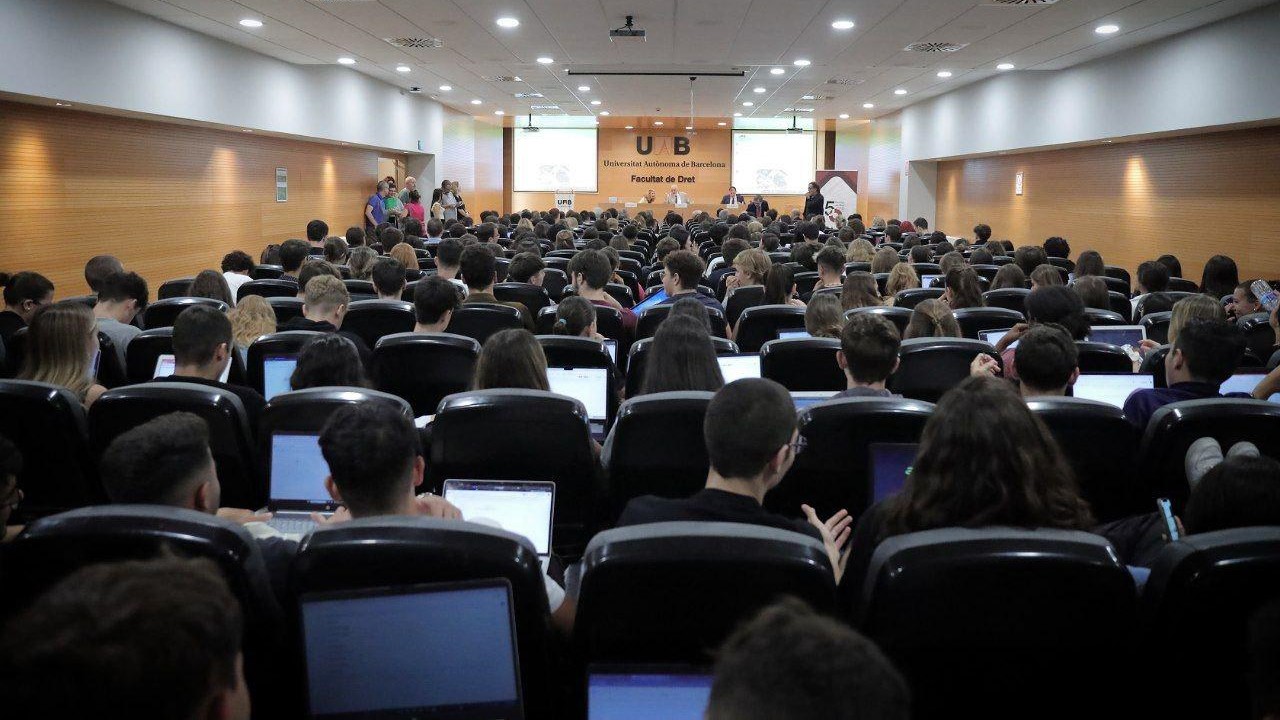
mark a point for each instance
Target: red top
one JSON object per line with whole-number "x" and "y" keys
{"x": 416, "y": 211}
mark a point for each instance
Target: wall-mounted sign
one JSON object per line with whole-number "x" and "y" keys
{"x": 1017, "y": 184}
{"x": 282, "y": 184}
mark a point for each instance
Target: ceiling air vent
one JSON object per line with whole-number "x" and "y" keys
{"x": 527, "y": 95}
{"x": 503, "y": 78}
{"x": 934, "y": 47}
{"x": 1015, "y": 3}
{"x": 844, "y": 81}
{"x": 816, "y": 97}
{"x": 544, "y": 107}
{"x": 797, "y": 109}
{"x": 415, "y": 43}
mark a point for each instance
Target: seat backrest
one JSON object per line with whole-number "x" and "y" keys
{"x": 177, "y": 287}
{"x": 289, "y": 342}
{"x": 621, "y": 293}
{"x": 1174, "y": 427}
{"x": 1199, "y": 598}
{"x": 1008, "y": 298}
{"x": 480, "y": 320}
{"x": 1117, "y": 272}
{"x": 48, "y": 424}
{"x": 834, "y": 471}
{"x": 657, "y": 448}
{"x": 1178, "y": 284}
{"x": 402, "y": 551}
{"x": 1102, "y": 357}
{"x": 361, "y": 287}
{"x": 124, "y": 408}
{"x": 638, "y": 356}
{"x": 163, "y": 313}
{"x": 741, "y": 299}
{"x": 266, "y": 272}
{"x": 144, "y": 350}
{"x": 1102, "y": 447}
{"x": 1097, "y": 316}
{"x": 723, "y": 571}
{"x": 928, "y": 367}
{"x": 650, "y": 319}
{"x": 803, "y": 364}
{"x": 285, "y": 308}
{"x": 1258, "y": 335}
{"x": 423, "y": 368}
{"x": 534, "y": 297}
{"x": 554, "y": 281}
{"x": 267, "y": 288}
{"x": 911, "y": 297}
{"x": 1025, "y": 611}
{"x": 900, "y": 317}
{"x": 373, "y": 319}
{"x": 973, "y": 320}
{"x": 805, "y": 281}
{"x": 1157, "y": 326}
{"x": 760, "y": 324}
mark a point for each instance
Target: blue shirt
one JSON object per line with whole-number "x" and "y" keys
{"x": 710, "y": 302}
{"x": 1142, "y": 404}
{"x": 379, "y": 212}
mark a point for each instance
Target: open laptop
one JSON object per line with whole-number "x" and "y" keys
{"x": 444, "y": 650}
{"x": 793, "y": 334}
{"x": 611, "y": 347}
{"x": 588, "y": 385}
{"x": 890, "y": 464}
{"x": 1121, "y": 335}
{"x": 166, "y": 365}
{"x": 805, "y": 399}
{"x": 523, "y": 507}
{"x": 1111, "y": 388}
{"x": 927, "y": 281}
{"x": 991, "y": 337}
{"x": 296, "y": 482}
{"x": 1245, "y": 383}
{"x": 657, "y": 298}
{"x": 276, "y": 373}
{"x": 641, "y": 693}
{"x": 737, "y": 367}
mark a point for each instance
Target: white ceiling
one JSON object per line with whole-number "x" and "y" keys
{"x": 756, "y": 35}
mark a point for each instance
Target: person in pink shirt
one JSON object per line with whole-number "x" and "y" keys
{"x": 414, "y": 206}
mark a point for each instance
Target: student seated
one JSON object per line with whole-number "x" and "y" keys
{"x": 388, "y": 277}
{"x": 830, "y": 262}
{"x": 202, "y": 348}
{"x": 790, "y": 663}
{"x": 292, "y": 254}
{"x": 1243, "y": 302}
{"x": 376, "y": 463}
{"x": 868, "y": 355}
{"x": 480, "y": 272}
{"x": 682, "y": 356}
{"x": 1055, "y": 304}
{"x": 1205, "y": 354}
{"x": 142, "y": 639}
{"x": 963, "y": 289}
{"x": 325, "y": 302}
{"x": 527, "y": 267}
{"x": 329, "y": 361}
{"x": 1048, "y": 360}
{"x": 576, "y": 317}
{"x": 62, "y": 347}
{"x": 511, "y": 358}
{"x": 23, "y": 294}
{"x": 751, "y": 437}
{"x": 1009, "y": 276}
{"x": 1153, "y": 278}
{"x": 932, "y": 318}
{"x": 315, "y": 268}
{"x": 589, "y": 272}
{"x": 823, "y": 316}
{"x": 99, "y": 268}
{"x": 681, "y": 272}
{"x": 121, "y": 296}
{"x": 434, "y": 301}
{"x": 860, "y": 290}
{"x": 448, "y": 262}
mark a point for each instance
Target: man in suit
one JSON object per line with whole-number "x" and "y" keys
{"x": 733, "y": 198}
{"x": 758, "y": 207}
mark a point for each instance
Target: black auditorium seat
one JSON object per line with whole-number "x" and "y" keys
{"x": 1008, "y": 298}
{"x": 144, "y": 350}
{"x": 1119, "y": 273}
{"x": 266, "y": 272}
{"x": 1157, "y": 325}
{"x": 1120, "y": 303}
{"x": 480, "y": 320}
{"x": 1102, "y": 357}
{"x": 268, "y": 288}
{"x": 976, "y": 319}
{"x": 175, "y": 288}
{"x": 911, "y": 297}
{"x": 802, "y": 364}
{"x": 534, "y": 297}
{"x": 1097, "y": 316}
{"x": 423, "y": 368}
{"x": 928, "y": 367}
{"x": 48, "y": 424}
{"x": 162, "y": 313}
{"x": 656, "y": 448}
{"x": 1101, "y": 446}
{"x": 760, "y": 324}
{"x": 649, "y": 320}
{"x": 285, "y": 308}
{"x": 900, "y": 317}
{"x": 371, "y": 320}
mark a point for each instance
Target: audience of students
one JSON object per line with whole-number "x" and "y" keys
{"x": 24, "y": 293}
{"x": 62, "y": 349}
{"x": 868, "y": 355}
{"x": 435, "y": 299}
{"x": 331, "y": 360}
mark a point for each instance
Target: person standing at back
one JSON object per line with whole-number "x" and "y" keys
{"x": 814, "y": 203}
{"x": 375, "y": 212}
{"x": 448, "y": 202}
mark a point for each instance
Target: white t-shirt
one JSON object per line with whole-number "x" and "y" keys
{"x": 234, "y": 281}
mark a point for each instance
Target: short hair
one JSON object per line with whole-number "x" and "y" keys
{"x": 982, "y": 232}
{"x": 99, "y": 267}
{"x": 478, "y": 266}
{"x": 870, "y": 344}
{"x": 1153, "y": 276}
{"x": 1090, "y": 263}
{"x": 686, "y": 266}
{"x": 355, "y": 236}
{"x": 155, "y": 463}
{"x": 594, "y": 267}
{"x": 388, "y": 275}
{"x": 317, "y": 230}
{"x": 390, "y": 237}
{"x": 292, "y": 253}
{"x": 237, "y": 261}
{"x": 832, "y": 258}
{"x": 789, "y": 663}
{"x": 197, "y": 333}
{"x": 412, "y": 227}
{"x": 449, "y": 252}
{"x": 330, "y": 360}
{"x": 335, "y": 249}
{"x": 1046, "y": 356}
{"x": 25, "y": 286}
{"x": 435, "y": 228}
{"x": 981, "y": 256}
{"x": 433, "y": 296}
{"x": 122, "y": 286}
{"x": 524, "y": 266}
{"x": 138, "y": 638}
{"x": 316, "y": 268}
{"x": 732, "y": 248}
{"x": 1029, "y": 257}
{"x": 1093, "y": 292}
{"x": 746, "y": 423}
{"x": 921, "y": 254}
{"x": 325, "y": 292}
{"x": 1057, "y": 247}
{"x": 810, "y": 230}
{"x": 1046, "y": 275}
{"x": 370, "y": 449}
{"x": 1212, "y": 349}
{"x": 1061, "y": 305}
{"x": 1171, "y": 262}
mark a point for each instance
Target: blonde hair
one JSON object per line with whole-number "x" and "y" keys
{"x": 753, "y": 262}
{"x": 902, "y": 277}
{"x": 251, "y": 319}
{"x": 405, "y": 254}
{"x": 1194, "y": 307}
{"x": 860, "y": 251}
{"x": 884, "y": 260}
{"x": 360, "y": 262}
{"x": 755, "y": 227}
{"x": 325, "y": 293}
{"x": 570, "y": 222}
{"x": 58, "y": 343}
{"x": 823, "y": 316}
{"x": 932, "y": 318}
{"x": 525, "y": 224}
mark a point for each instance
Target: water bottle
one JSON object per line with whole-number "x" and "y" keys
{"x": 1266, "y": 294}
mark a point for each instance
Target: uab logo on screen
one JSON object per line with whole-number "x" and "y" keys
{"x": 679, "y": 145}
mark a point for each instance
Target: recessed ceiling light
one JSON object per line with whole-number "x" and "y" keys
{"x": 842, "y": 25}
{"x": 604, "y": 112}
{"x": 508, "y": 22}
{"x": 62, "y": 104}
{"x": 801, "y": 63}
{"x": 737, "y": 114}
{"x": 346, "y": 61}
{"x": 403, "y": 68}
{"x": 584, "y": 88}
{"x": 776, "y": 71}
{"x": 868, "y": 105}
{"x": 499, "y": 112}
{"x": 844, "y": 116}
{"x": 475, "y": 102}
{"x": 900, "y": 91}
{"x": 245, "y": 130}
{"x": 1107, "y": 29}
{"x": 1005, "y": 66}
{"x": 722, "y": 124}
{"x": 944, "y": 74}
{"x": 747, "y": 104}
{"x": 630, "y": 127}
{"x": 446, "y": 88}
{"x": 250, "y": 22}
{"x": 688, "y": 127}
{"x": 758, "y": 90}
{"x": 546, "y": 60}
{"x": 657, "y": 123}
{"x": 595, "y": 102}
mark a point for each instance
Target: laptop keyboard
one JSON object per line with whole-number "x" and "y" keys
{"x": 293, "y": 525}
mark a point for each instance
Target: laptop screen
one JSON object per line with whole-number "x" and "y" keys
{"x": 809, "y": 398}
{"x": 1111, "y": 389}
{"x": 443, "y": 650}
{"x": 793, "y": 334}
{"x": 1245, "y": 383}
{"x": 524, "y": 508}
{"x": 927, "y": 281}
{"x": 642, "y": 696}
{"x": 167, "y": 364}
{"x": 276, "y": 371}
{"x": 588, "y": 385}
{"x": 890, "y": 465}
{"x": 737, "y": 367}
{"x": 1122, "y": 335}
{"x": 991, "y": 337}
{"x": 655, "y": 299}
{"x": 611, "y": 347}
{"x": 298, "y": 469}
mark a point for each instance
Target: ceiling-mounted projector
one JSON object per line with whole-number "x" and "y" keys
{"x": 530, "y": 127}
{"x": 627, "y": 32}
{"x": 793, "y": 128}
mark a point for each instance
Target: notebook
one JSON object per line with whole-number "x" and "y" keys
{"x": 1245, "y": 383}
{"x": 1121, "y": 335}
{"x": 166, "y": 365}
{"x": 523, "y": 507}
{"x": 1112, "y": 389}
{"x": 642, "y": 693}
{"x": 793, "y": 334}
{"x": 297, "y": 472}
{"x": 657, "y": 298}
{"x": 808, "y": 398}
{"x": 445, "y": 650}
{"x": 890, "y": 465}
{"x": 276, "y": 372}
{"x": 737, "y": 367}
{"x": 590, "y": 386}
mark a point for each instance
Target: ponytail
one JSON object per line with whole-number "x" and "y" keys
{"x": 561, "y": 327}
{"x": 574, "y": 315}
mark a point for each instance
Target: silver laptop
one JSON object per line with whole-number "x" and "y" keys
{"x": 296, "y": 482}
{"x": 1111, "y": 388}
{"x": 1121, "y": 335}
{"x": 738, "y": 367}
{"x": 524, "y": 507}
{"x": 167, "y": 364}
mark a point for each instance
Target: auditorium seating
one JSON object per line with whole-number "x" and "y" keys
{"x": 1101, "y": 446}
{"x": 49, "y": 426}
{"x": 423, "y": 368}
{"x": 928, "y": 367}
{"x": 741, "y": 299}
{"x": 533, "y": 297}
{"x": 913, "y": 296}
{"x": 1014, "y": 299}
{"x": 1259, "y": 337}
{"x": 175, "y": 288}
{"x": 144, "y": 350}
{"x": 657, "y": 448}
{"x": 371, "y": 320}
{"x": 1096, "y": 316}
{"x": 480, "y": 320}
{"x": 554, "y": 281}
{"x": 1178, "y": 284}
{"x": 361, "y": 289}
{"x": 649, "y": 320}
{"x": 286, "y": 308}
{"x": 1157, "y": 326}
{"x": 803, "y": 364}
{"x": 1119, "y": 273}
{"x": 637, "y": 358}
{"x": 976, "y": 319}
{"x": 900, "y": 317}
{"x": 287, "y": 343}
{"x": 1102, "y": 357}
{"x": 268, "y": 289}
{"x": 1165, "y": 300}
{"x": 760, "y": 324}
{"x": 265, "y": 272}
{"x": 162, "y": 313}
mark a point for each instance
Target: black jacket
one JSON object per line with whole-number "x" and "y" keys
{"x": 815, "y": 205}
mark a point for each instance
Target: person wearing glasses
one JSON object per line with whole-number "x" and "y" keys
{"x": 10, "y": 493}
{"x": 751, "y": 437}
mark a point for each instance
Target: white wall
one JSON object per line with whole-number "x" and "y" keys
{"x": 92, "y": 52}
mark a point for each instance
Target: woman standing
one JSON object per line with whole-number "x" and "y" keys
{"x": 448, "y": 201}
{"x": 814, "y": 203}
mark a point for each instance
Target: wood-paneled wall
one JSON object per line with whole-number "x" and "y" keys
{"x": 472, "y": 155}
{"x": 168, "y": 200}
{"x": 874, "y": 149}
{"x": 1193, "y": 196}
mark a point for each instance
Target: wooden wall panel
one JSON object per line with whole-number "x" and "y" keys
{"x": 488, "y": 181}
{"x": 884, "y": 167}
{"x": 168, "y": 200}
{"x": 1193, "y": 196}
{"x": 472, "y": 155}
